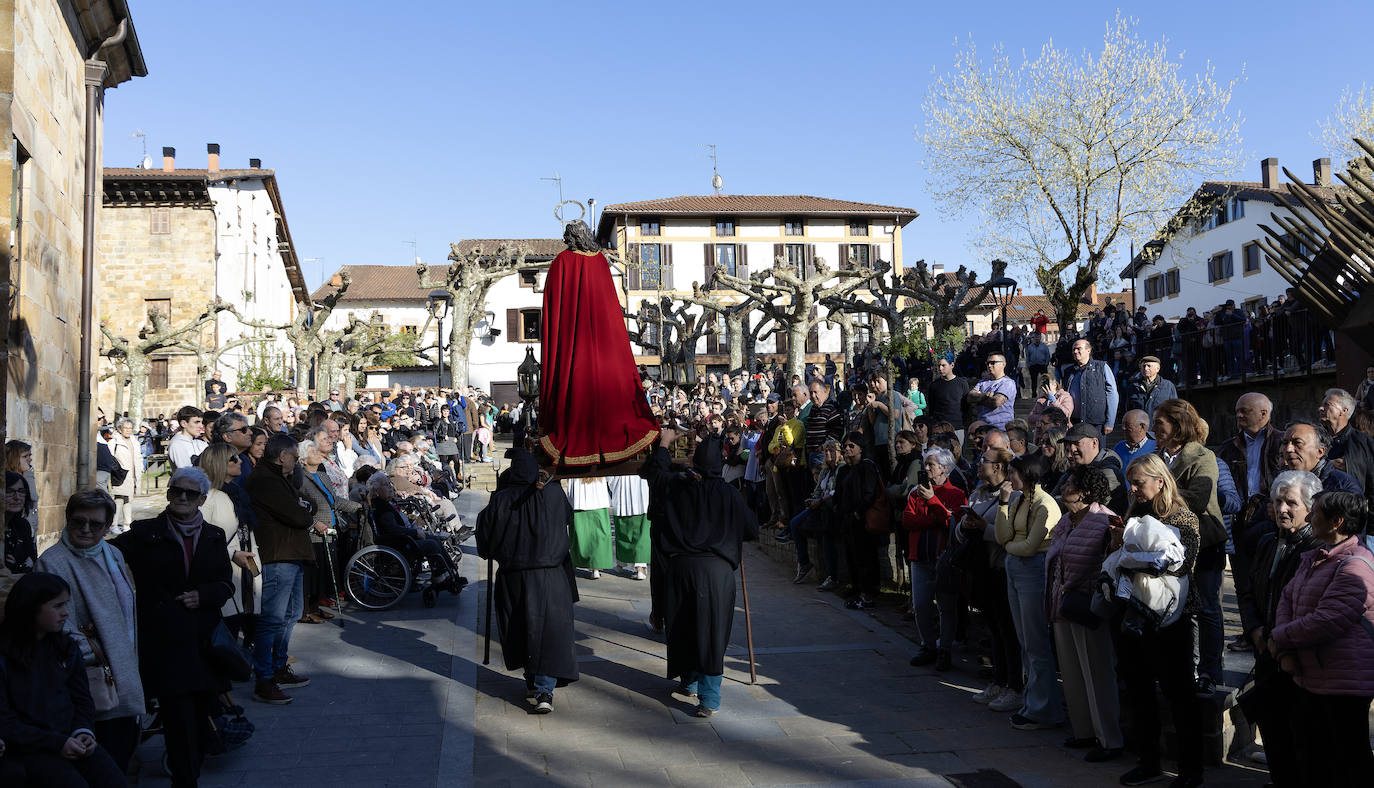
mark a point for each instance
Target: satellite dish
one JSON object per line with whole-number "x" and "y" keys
{"x": 147, "y": 163}
{"x": 717, "y": 182}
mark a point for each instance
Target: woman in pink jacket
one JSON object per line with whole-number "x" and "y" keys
{"x": 1324, "y": 636}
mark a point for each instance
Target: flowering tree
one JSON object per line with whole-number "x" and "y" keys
{"x": 1354, "y": 117}
{"x": 1064, "y": 157}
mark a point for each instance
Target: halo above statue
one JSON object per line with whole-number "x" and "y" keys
{"x": 558, "y": 212}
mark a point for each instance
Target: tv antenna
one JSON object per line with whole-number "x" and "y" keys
{"x": 716, "y": 181}
{"x": 558, "y": 179}
{"x": 146, "y": 163}
{"x": 414, "y": 249}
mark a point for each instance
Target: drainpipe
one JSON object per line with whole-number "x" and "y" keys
{"x": 95, "y": 88}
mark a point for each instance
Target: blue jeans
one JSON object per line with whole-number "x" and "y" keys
{"x": 1044, "y": 701}
{"x": 797, "y": 531}
{"x": 542, "y": 685}
{"x": 282, "y": 604}
{"x": 1210, "y": 635}
{"x": 706, "y": 687}
{"x": 923, "y": 603}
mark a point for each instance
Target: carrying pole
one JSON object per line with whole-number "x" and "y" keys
{"x": 748, "y": 623}
{"x": 334, "y": 579}
{"x": 491, "y": 587}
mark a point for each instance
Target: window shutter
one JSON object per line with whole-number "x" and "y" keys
{"x": 1230, "y": 265}
{"x": 710, "y": 267}
{"x": 742, "y": 260}
{"x": 780, "y": 340}
{"x": 512, "y": 325}
{"x": 632, "y": 269}
{"x": 667, "y": 267}
{"x": 844, "y": 257}
{"x": 873, "y": 255}
{"x": 810, "y": 261}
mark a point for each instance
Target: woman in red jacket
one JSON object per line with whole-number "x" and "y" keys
{"x": 1324, "y": 636}
{"x": 929, "y": 507}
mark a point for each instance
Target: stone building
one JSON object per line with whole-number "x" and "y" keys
{"x": 57, "y": 59}
{"x": 173, "y": 240}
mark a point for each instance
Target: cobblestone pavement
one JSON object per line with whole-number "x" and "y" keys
{"x": 401, "y": 698}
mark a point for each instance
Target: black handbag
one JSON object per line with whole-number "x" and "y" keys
{"x": 226, "y": 656}
{"x": 1076, "y": 606}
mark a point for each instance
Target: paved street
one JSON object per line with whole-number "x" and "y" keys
{"x": 400, "y": 698}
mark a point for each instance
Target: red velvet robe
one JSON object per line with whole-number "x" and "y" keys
{"x": 591, "y": 406}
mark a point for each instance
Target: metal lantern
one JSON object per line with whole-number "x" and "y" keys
{"x": 527, "y": 376}
{"x": 1003, "y": 290}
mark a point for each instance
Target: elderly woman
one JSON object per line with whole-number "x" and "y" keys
{"x": 127, "y": 453}
{"x": 101, "y": 618}
{"x": 1026, "y": 515}
{"x": 1179, "y": 437}
{"x": 182, "y": 572}
{"x": 1322, "y": 637}
{"x": 391, "y": 522}
{"x": 1163, "y": 652}
{"x": 985, "y": 561}
{"x": 930, "y": 506}
{"x": 316, "y": 488}
{"x": 1275, "y": 560}
{"x": 1083, "y": 642}
{"x": 227, "y": 507}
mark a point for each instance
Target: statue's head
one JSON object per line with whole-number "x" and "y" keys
{"x": 578, "y": 236}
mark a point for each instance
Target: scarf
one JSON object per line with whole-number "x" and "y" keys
{"x": 100, "y": 551}
{"x": 188, "y": 533}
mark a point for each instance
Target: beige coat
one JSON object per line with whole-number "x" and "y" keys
{"x": 126, "y": 452}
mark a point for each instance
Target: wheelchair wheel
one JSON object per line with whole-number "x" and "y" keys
{"x": 377, "y": 577}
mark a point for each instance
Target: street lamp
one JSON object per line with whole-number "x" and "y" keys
{"x": 1003, "y": 289}
{"x": 439, "y": 300}
{"x": 527, "y": 384}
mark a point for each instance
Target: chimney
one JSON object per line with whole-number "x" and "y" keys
{"x": 937, "y": 269}
{"x": 1091, "y": 295}
{"x": 1321, "y": 172}
{"x": 1269, "y": 173}
{"x": 169, "y": 159}
{"x": 255, "y": 164}
{"x": 213, "y": 150}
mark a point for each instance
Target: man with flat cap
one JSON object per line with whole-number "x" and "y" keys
{"x": 525, "y": 529}
{"x": 1147, "y": 388}
{"x": 703, "y": 522}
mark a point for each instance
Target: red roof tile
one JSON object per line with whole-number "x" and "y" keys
{"x": 401, "y": 283}
{"x": 759, "y": 204}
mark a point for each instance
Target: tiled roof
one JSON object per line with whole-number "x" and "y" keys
{"x": 1023, "y": 307}
{"x": 758, "y": 204}
{"x": 157, "y": 173}
{"x": 539, "y": 248}
{"x": 380, "y": 283}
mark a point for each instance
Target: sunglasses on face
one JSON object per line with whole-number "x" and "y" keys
{"x": 182, "y": 492}
{"x": 79, "y": 525}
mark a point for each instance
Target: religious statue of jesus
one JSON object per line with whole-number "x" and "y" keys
{"x": 592, "y": 409}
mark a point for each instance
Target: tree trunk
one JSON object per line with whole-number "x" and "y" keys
{"x": 138, "y": 383}
{"x": 466, "y": 313}
{"x": 735, "y": 335}
{"x": 796, "y": 347}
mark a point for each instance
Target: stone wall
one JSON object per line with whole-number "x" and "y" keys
{"x": 136, "y": 266}
{"x": 42, "y": 107}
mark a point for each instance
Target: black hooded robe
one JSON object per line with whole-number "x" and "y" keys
{"x": 525, "y": 529}
{"x": 703, "y": 523}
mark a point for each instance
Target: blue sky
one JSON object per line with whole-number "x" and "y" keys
{"x": 436, "y": 121}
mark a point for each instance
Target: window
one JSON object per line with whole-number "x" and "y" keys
{"x": 858, "y": 256}
{"x": 1171, "y": 282}
{"x": 412, "y": 330}
{"x": 968, "y": 327}
{"x": 725, "y": 259}
{"x": 725, "y": 227}
{"x": 1220, "y": 268}
{"x": 160, "y": 221}
{"x": 796, "y": 257}
{"x": 858, "y": 227}
{"x": 157, "y": 379}
{"x": 649, "y": 227}
{"x": 650, "y": 266}
{"x": 1154, "y": 287}
{"x": 529, "y": 325}
{"x": 794, "y": 226}
{"x": 529, "y": 278}
{"x": 1235, "y": 209}
{"x": 162, "y": 306}
{"x": 1251, "y": 252}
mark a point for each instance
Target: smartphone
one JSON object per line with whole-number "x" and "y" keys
{"x": 253, "y": 567}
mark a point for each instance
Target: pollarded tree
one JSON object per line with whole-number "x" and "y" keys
{"x": 687, "y": 328}
{"x": 1064, "y": 157}
{"x": 306, "y": 331}
{"x": 949, "y": 296}
{"x": 468, "y": 280}
{"x": 133, "y": 357}
{"x": 789, "y": 297}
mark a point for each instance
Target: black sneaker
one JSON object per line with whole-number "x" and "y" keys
{"x": 859, "y": 603}
{"x": 803, "y": 572}
{"x": 269, "y": 692}
{"x": 286, "y": 677}
{"x": 1204, "y": 688}
{"x": 683, "y": 694}
{"x": 924, "y": 657}
{"x": 1142, "y": 775}
{"x": 828, "y": 584}
{"x": 782, "y": 539}
{"x": 543, "y": 703}
{"x": 702, "y": 711}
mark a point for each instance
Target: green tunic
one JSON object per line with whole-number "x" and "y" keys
{"x": 632, "y": 539}
{"x": 590, "y": 539}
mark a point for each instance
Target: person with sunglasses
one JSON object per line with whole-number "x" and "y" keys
{"x": 995, "y": 396}
{"x": 182, "y": 572}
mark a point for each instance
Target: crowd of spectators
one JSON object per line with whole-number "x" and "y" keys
{"x": 125, "y": 618}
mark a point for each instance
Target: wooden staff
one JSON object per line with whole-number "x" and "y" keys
{"x": 748, "y": 623}
{"x": 491, "y": 586}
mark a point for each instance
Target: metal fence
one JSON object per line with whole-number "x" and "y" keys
{"x": 1283, "y": 343}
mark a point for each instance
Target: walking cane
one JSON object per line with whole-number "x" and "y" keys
{"x": 486, "y": 652}
{"x": 748, "y": 624}
{"x": 334, "y": 580}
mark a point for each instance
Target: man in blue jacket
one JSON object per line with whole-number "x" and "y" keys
{"x": 1093, "y": 386}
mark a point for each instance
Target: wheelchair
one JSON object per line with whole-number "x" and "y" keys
{"x": 383, "y": 571}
